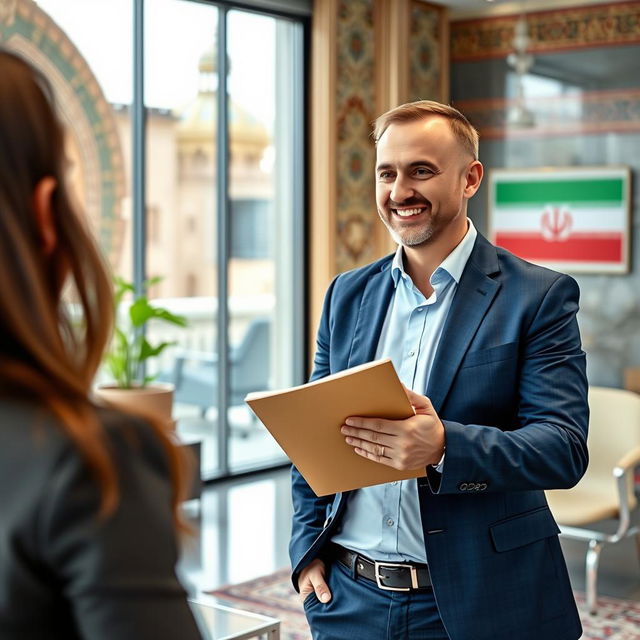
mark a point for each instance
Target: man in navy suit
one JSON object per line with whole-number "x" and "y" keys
{"x": 489, "y": 350}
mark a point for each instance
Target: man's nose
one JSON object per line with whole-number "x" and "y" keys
{"x": 401, "y": 190}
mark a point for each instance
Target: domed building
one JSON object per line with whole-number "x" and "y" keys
{"x": 250, "y": 189}
{"x": 197, "y": 136}
{"x": 182, "y": 199}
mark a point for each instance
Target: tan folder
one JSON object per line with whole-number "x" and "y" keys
{"x": 306, "y": 421}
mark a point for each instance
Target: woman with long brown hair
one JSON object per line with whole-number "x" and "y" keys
{"x": 89, "y": 497}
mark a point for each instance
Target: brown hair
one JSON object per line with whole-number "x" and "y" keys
{"x": 47, "y": 356}
{"x": 412, "y": 111}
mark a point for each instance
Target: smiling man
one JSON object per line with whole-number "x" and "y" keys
{"x": 489, "y": 350}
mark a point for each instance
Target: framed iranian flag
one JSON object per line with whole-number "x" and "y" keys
{"x": 574, "y": 219}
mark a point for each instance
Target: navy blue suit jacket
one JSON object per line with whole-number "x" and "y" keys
{"x": 509, "y": 384}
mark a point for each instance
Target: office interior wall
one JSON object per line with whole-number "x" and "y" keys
{"x": 584, "y": 93}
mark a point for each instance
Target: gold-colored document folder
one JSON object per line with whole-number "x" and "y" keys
{"x": 306, "y": 421}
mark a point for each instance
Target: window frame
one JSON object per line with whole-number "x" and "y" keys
{"x": 298, "y": 12}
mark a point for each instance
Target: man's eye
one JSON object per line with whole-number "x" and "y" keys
{"x": 385, "y": 175}
{"x": 423, "y": 171}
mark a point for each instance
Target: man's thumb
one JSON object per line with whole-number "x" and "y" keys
{"x": 421, "y": 404}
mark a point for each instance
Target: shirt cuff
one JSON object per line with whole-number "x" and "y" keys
{"x": 440, "y": 466}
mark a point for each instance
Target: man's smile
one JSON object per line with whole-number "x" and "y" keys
{"x": 408, "y": 213}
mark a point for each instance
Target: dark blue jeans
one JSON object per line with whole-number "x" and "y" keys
{"x": 359, "y": 610}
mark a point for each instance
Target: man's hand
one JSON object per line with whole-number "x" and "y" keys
{"x": 312, "y": 579}
{"x": 403, "y": 444}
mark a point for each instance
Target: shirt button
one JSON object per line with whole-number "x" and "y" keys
{"x": 420, "y": 309}
{"x": 394, "y": 483}
{"x": 390, "y": 522}
{"x": 411, "y": 353}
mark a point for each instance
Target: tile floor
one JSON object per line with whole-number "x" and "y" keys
{"x": 242, "y": 532}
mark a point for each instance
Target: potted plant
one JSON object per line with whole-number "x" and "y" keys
{"x": 130, "y": 351}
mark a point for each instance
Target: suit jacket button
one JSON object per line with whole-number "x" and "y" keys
{"x": 463, "y": 486}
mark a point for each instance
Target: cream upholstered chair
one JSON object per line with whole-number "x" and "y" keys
{"x": 606, "y": 491}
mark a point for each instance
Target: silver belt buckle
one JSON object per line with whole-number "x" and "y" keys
{"x": 412, "y": 571}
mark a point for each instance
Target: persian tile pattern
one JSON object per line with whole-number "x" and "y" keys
{"x": 616, "y": 110}
{"x": 590, "y": 26}
{"x": 26, "y": 29}
{"x": 424, "y": 53}
{"x": 355, "y": 155}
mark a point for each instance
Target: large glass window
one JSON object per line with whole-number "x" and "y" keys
{"x": 263, "y": 230}
{"x": 203, "y": 191}
{"x": 180, "y": 93}
{"x": 223, "y": 172}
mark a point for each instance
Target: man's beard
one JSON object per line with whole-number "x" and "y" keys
{"x": 409, "y": 237}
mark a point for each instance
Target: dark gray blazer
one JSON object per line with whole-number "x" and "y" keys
{"x": 64, "y": 573}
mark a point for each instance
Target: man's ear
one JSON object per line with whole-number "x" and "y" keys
{"x": 473, "y": 178}
{"x": 42, "y": 205}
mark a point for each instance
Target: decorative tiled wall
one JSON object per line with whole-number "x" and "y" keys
{"x": 590, "y": 26}
{"x": 585, "y": 96}
{"x": 30, "y": 32}
{"x": 605, "y": 111}
{"x": 425, "y": 60}
{"x": 355, "y": 108}
{"x": 357, "y": 219}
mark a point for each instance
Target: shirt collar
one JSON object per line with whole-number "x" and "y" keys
{"x": 453, "y": 264}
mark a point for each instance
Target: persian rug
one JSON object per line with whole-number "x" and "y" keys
{"x": 274, "y": 596}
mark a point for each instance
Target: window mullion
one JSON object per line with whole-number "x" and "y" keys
{"x": 223, "y": 242}
{"x": 139, "y": 221}
{"x": 138, "y": 149}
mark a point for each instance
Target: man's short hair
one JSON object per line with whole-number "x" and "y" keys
{"x": 422, "y": 109}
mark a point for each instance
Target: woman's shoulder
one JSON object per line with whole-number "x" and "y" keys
{"x": 29, "y": 430}
{"x": 45, "y": 475}
{"x": 32, "y": 435}
{"x": 128, "y": 433}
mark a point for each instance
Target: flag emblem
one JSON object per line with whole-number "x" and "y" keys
{"x": 556, "y": 223}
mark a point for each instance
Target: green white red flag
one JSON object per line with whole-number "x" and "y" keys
{"x": 567, "y": 219}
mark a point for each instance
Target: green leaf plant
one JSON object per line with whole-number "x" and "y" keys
{"x": 130, "y": 349}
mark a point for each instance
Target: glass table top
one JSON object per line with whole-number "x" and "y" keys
{"x": 220, "y": 622}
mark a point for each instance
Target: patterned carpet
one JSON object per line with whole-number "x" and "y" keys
{"x": 274, "y": 596}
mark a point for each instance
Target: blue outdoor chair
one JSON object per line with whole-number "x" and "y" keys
{"x": 195, "y": 374}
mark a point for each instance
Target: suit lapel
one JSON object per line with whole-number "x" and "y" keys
{"x": 473, "y": 298}
{"x": 371, "y": 315}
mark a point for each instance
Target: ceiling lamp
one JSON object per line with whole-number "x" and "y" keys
{"x": 518, "y": 115}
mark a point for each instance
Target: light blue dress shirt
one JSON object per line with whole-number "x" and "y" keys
{"x": 383, "y": 522}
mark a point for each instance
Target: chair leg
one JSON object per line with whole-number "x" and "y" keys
{"x": 638, "y": 544}
{"x": 593, "y": 558}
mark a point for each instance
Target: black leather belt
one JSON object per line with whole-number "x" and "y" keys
{"x": 389, "y": 576}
